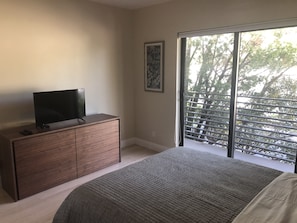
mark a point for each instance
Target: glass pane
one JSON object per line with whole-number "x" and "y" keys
{"x": 267, "y": 94}
{"x": 208, "y": 68}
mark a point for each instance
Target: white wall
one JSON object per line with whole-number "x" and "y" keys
{"x": 54, "y": 45}
{"x": 155, "y": 112}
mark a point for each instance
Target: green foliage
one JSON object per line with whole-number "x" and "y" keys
{"x": 267, "y": 69}
{"x": 262, "y": 63}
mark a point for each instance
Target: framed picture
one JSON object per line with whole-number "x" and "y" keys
{"x": 154, "y": 66}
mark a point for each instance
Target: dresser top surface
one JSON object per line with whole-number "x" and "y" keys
{"x": 15, "y": 132}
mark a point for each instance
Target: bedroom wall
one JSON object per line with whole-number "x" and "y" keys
{"x": 156, "y": 112}
{"x": 54, "y": 45}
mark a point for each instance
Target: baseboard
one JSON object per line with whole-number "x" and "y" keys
{"x": 143, "y": 143}
{"x": 128, "y": 142}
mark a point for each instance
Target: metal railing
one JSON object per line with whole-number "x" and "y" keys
{"x": 264, "y": 126}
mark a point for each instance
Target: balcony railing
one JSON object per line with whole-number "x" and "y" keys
{"x": 265, "y": 127}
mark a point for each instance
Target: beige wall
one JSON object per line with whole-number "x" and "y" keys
{"x": 155, "y": 112}
{"x": 51, "y": 45}
{"x": 54, "y": 45}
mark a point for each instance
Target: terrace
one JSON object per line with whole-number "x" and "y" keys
{"x": 285, "y": 167}
{"x": 264, "y": 130}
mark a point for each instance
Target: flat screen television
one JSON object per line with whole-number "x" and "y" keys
{"x": 56, "y": 106}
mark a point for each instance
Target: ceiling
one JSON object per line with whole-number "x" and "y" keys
{"x": 131, "y": 4}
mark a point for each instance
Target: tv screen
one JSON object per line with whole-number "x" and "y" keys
{"x": 55, "y": 106}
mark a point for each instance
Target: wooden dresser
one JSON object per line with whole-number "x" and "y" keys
{"x": 65, "y": 151}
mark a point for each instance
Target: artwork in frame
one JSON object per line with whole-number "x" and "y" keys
{"x": 154, "y": 66}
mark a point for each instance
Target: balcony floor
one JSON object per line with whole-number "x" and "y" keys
{"x": 238, "y": 155}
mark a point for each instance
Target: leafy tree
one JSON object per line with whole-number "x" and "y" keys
{"x": 212, "y": 59}
{"x": 266, "y": 57}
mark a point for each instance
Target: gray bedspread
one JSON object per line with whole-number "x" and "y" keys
{"x": 178, "y": 185}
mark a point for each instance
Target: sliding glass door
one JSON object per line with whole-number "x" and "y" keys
{"x": 267, "y": 94}
{"x": 208, "y": 69}
{"x": 242, "y": 95}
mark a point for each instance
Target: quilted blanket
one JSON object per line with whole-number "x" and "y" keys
{"x": 177, "y": 185}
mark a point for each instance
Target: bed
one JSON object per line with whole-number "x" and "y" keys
{"x": 177, "y": 185}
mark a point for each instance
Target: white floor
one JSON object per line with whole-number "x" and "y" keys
{"x": 241, "y": 156}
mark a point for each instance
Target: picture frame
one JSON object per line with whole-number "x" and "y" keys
{"x": 154, "y": 66}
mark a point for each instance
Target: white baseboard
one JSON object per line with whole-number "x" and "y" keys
{"x": 143, "y": 143}
{"x": 128, "y": 142}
